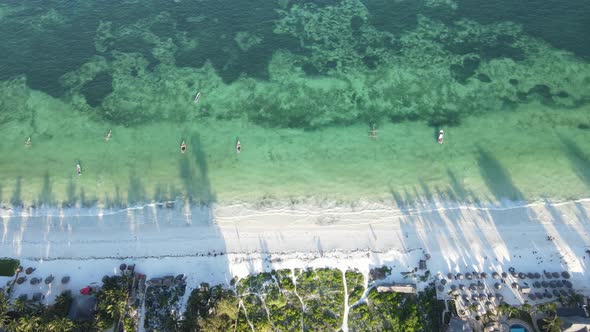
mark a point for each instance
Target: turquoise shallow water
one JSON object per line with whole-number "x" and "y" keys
{"x": 299, "y": 84}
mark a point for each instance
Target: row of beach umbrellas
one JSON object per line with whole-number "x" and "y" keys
{"x": 496, "y": 275}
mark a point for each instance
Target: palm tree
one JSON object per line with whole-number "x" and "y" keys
{"x": 13, "y": 325}
{"x": 552, "y": 323}
{"x": 60, "y": 325}
{"x": 528, "y": 308}
{"x": 3, "y": 310}
{"x": 20, "y": 305}
{"x": 28, "y": 324}
{"x": 473, "y": 307}
{"x": 548, "y": 308}
{"x": 488, "y": 317}
{"x": 508, "y": 310}
{"x": 575, "y": 299}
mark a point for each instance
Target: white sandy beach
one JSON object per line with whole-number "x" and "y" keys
{"x": 214, "y": 245}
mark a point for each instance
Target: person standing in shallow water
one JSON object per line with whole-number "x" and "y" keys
{"x": 28, "y": 142}
{"x": 441, "y": 136}
{"x": 78, "y": 169}
{"x": 182, "y": 147}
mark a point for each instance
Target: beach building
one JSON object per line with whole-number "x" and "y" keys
{"x": 398, "y": 288}
{"x": 458, "y": 325}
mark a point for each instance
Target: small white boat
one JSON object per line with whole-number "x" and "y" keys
{"x": 197, "y": 97}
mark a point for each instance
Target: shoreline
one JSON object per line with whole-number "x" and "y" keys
{"x": 416, "y": 206}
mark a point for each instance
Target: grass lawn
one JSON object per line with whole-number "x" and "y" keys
{"x": 8, "y": 266}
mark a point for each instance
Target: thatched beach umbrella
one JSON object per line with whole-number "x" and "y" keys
{"x": 20, "y": 280}
{"x": 462, "y": 287}
{"x": 558, "y": 283}
{"x": 122, "y": 267}
{"x": 499, "y": 297}
{"x": 65, "y": 279}
{"x": 491, "y": 296}
{"x": 440, "y": 288}
{"x": 555, "y": 274}
{"x": 537, "y": 284}
{"x": 489, "y": 304}
{"x": 498, "y": 285}
{"x": 454, "y": 287}
{"x": 568, "y": 284}
{"x": 35, "y": 281}
{"x": 29, "y": 270}
{"x": 450, "y": 276}
{"x": 472, "y": 286}
{"x": 547, "y": 275}
{"x": 537, "y": 275}
{"x": 563, "y": 292}
{"x": 556, "y": 292}
{"x": 468, "y": 276}
{"x": 37, "y": 296}
{"x": 530, "y": 275}
{"x": 548, "y": 295}
{"x": 532, "y": 296}
{"x": 514, "y": 274}
{"x": 504, "y": 275}
{"x": 565, "y": 274}
{"x": 483, "y": 275}
{"x": 480, "y": 285}
{"x": 515, "y": 285}
{"x": 545, "y": 284}
{"x": 552, "y": 284}
{"x": 474, "y": 297}
{"x": 482, "y": 297}
{"x": 521, "y": 275}
{"x": 495, "y": 275}
{"x": 49, "y": 279}
{"x": 443, "y": 281}
{"x": 539, "y": 296}
{"x": 459, "y": 276}
{"x": 465, "y": 298}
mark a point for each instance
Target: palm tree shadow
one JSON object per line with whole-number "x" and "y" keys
{"x": 579, "y": 160}
{"x": 45, "y": 197}
{"x": 16, "y": 200}
{"x": 196, "y": 180}
{"x": 136, "y": 192}
{"x": 70, "y": 194}
{"x": 496, "y": 177}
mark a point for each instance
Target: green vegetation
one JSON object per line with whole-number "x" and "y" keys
{"x": 309, "y": 300}
{"x": 8, "y": 266}
{"x": 162, "y": 306}
{"x": 387, "y": 312}
{"x": 29, "y": 316}
{"x": 210, "y": 309}
{"x": 24, "y": 315}
{"x": 113, "y": 307}
{"x": 355, "y": 286}
{"x": 550, "y": 323}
